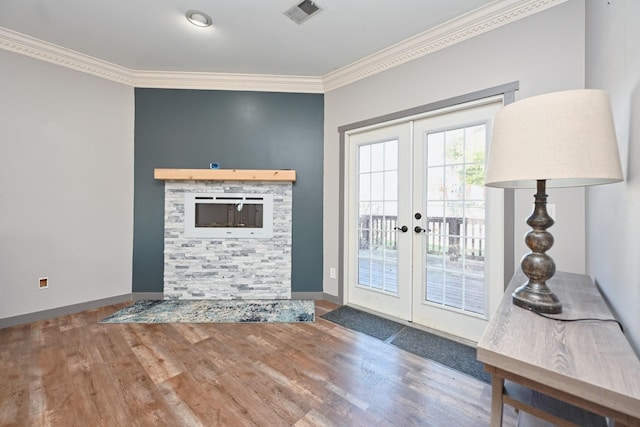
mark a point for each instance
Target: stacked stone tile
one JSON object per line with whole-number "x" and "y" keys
{"x": 229, "y": 268}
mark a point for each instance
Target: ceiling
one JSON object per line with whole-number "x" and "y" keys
{"x": 247, "y": 37}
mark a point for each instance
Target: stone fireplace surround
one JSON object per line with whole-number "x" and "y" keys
{"x": 227, "y": 268}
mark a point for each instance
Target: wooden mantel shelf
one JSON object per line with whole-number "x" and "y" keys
{"x": 224, "y": 175}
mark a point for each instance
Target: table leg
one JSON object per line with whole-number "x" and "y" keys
{"x": 497, "y": 389}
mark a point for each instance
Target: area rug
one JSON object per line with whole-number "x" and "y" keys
{"x": 215, "y": 311}
{"x": 451, "y": 353}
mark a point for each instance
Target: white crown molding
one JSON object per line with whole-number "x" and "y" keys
{"x": 492, "y": 16}
{"x": 482, "y": 20}
{"x": 49, "y": 52}
{"x": 222, "y": 81}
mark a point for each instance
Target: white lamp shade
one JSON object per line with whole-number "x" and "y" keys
{"x": 567, "y": 138}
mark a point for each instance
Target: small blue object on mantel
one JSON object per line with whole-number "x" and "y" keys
{"x": 214, "y": 165}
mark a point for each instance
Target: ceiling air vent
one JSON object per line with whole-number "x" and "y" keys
{"x": 302, "y": 11}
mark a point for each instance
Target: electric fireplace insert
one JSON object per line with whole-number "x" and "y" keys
{"x": 228, "y": 215}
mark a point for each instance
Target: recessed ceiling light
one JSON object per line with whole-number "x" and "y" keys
{"x": 198, "y": 18}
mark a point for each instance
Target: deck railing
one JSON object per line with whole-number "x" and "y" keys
{"x": 443, "y": 235}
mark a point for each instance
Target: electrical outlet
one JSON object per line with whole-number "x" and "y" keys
{"x": 43, "y": 283}
{"x": 332, "y": 273}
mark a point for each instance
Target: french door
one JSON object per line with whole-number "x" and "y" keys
{"x": 425, "y": 240}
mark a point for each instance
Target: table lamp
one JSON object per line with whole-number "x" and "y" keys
{"x": 560, "y": 139}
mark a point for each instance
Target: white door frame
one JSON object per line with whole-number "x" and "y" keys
{"x": 507, "y": 91}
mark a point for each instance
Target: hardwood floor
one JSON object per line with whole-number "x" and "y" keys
{"x": 74, "y": 371}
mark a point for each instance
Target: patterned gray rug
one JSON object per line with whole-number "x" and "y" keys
{"x": 214, "y": 311}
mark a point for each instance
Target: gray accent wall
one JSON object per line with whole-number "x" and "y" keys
{"x": 239, "y": 130}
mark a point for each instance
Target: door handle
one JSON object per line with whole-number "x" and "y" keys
{"x": 419, "y": 229}
{"x": 404, "y": 228}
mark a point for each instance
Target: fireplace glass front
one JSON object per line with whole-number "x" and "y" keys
{"x": 228, "y": 215}
{"x": 233, "y": 214}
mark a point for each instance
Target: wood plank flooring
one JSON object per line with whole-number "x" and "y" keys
{"x": 74, "y": 371}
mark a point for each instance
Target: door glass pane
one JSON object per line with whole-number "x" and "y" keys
{"x": 435, "y": 149}
{"x": 377, "y": 157}
{"x": 377, "y": 189}
{"x": 456, "y": 218}
{"x": 378, "y": 212}
{"x": 364, "y": 157}
{"x": 435, "y": 182}
{"x": 391, "y": 155}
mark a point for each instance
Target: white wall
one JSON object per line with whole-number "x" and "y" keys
{"x": 66, "y": 186}
{"x": 545, "y": 52}
{"x": 613, "y": 211}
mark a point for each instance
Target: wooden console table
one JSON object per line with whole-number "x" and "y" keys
{"x": 588, "y": 364}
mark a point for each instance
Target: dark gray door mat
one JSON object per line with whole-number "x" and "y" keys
{"x": 451, "y": 353}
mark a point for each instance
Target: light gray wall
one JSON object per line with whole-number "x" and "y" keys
{"x": 66, "y": 186}
{"x": 544, "y": 52}
{"x": 613, "y": 211}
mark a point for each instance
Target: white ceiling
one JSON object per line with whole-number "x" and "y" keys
{"x": 143, "y": 37}
{"x": 248, "y": 36}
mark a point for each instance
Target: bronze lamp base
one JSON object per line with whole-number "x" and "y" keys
{"x": 539, "y": 267}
